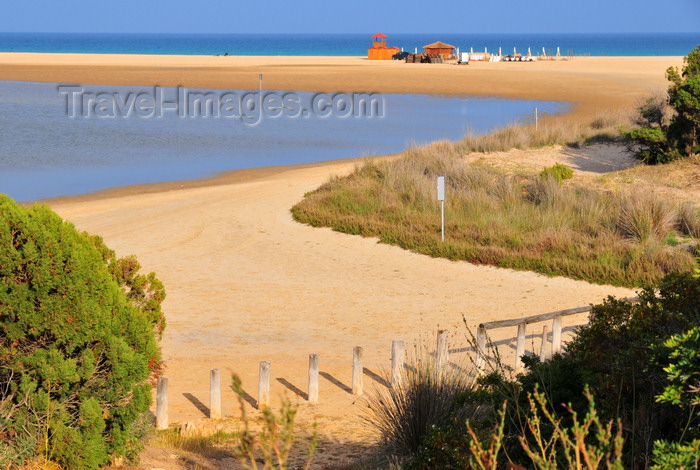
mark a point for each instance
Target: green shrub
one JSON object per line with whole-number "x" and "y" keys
{"x": 676, "y": 456}
{"x": 661, "y": 138}
{"x": 682, "y": 354}
{"x": 626, "y": 382}
{"x": 559, "y": 172}
{"x": 78, "y": 340}
{"x": 620, "y": 356}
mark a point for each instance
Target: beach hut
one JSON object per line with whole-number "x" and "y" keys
{"x": 379, "y": 49}
{"x": 441, "y": 48}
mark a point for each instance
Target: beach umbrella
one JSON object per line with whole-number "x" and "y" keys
{"x": 544, "y": 54}
{"x": 486, "y": 51}
{"x": 514, "y": 51}
{"x": 529, "y": 54}
{"x": 558, "y": 53}
{"x": 471, "y": 50}
{"x": 499, "y": 51}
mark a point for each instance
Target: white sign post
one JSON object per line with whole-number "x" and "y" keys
{"x": 441, "y": 198}
{"x": 260, "y": 95}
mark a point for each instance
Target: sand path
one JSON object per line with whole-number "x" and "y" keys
{"x": 246, "y": 283}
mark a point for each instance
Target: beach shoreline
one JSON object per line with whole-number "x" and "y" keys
{"x": 236, "y": 176}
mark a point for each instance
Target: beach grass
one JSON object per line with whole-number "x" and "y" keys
{"x": 521, "y": 221}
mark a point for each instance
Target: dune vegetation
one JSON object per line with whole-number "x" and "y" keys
{"x": 537, "y": 221}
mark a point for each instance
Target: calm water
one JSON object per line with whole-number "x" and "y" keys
{"x": 45, "y": 153}
{"x": 656, "y": 44}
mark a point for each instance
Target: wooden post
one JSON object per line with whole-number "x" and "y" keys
{"x": 480, "y": 348}
{"x": 543, "y": 350}
{"x": 556, "y": 335}
{"x": 357, "y": 370}
{"x": 214, "y": 394}
{"x": 162, "y": 404}
{"x": 520, "y": 347}
{"x": 264, "y": 385}
{"x": 441, "y": 353}
{"x": 313, "y": 378}
{"x": 397, "y": 358}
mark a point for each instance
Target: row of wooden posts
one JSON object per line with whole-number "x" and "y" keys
{"x": 397, "y": 365}
{"x": 397, "y": 362}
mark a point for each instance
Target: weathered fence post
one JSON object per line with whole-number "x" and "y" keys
{"x": 357, "y": 370}
{"x": 543, "y": 350}
{"x": 441, "y": 353}
{"x": 264, "y": 385}
{"x": 162, "y": 404}
{"x": 520, "y": 347}
{"x": 556, "y": 335}
{"x": 480, "y": 348}
{"x": 313, "y": 378}
{"x": 214, "y": 394}
{"x": 397, "y": 358}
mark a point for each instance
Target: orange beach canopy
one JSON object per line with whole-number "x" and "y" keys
{"x": 438, "y": 45}
{"x": 379, "y": 35}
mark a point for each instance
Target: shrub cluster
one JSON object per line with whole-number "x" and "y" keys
{"x": 663, "y": 135}
{"x": 624, "y": 394}
{"x": 558, "y": 172}
{"x": 78, "y": 340}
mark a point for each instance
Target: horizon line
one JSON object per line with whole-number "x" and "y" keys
{"x": 341, "y": 33}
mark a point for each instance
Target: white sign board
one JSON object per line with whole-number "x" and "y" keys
{"x": 441, "y": 188}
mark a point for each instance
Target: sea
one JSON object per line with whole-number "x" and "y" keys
{"x": 48, "y": 149}
{"x": 638, "y": 44}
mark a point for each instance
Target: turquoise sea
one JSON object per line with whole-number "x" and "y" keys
{"x": 647, "y": 44}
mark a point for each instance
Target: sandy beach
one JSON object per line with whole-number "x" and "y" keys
{"x": 596, "y": 84}
{"x": 246, "y": 283}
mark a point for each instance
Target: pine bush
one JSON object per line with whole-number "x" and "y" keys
{"x": 79, "y": 333}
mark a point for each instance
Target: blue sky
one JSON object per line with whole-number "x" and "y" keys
{"x": 360, "y": 16}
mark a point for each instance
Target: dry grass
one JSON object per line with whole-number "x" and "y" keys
{"x": 525, "y": 222}
{"x": 689, "y": 220}
{"x": 424, "y": 399}
{"x": 602, "y": 128}
{"x": 642, "y": 217}
{"x": 208, "y": 445}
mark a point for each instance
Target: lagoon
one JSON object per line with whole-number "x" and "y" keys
{"x": 49, "y": 149}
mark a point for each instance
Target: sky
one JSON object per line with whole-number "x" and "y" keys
{"x": 349, "y": 16}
